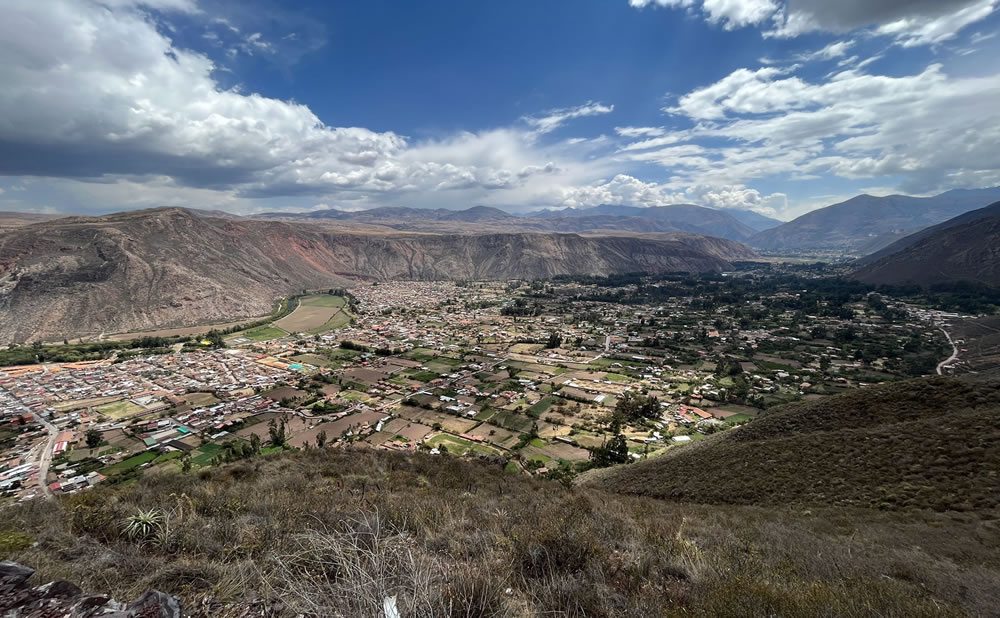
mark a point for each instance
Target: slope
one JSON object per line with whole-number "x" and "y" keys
{"x": 968, "y": 252}
{"x": 993, "y": 210}
{"x": 335, "y": 532}
{"x": 850, "y": 224}
{"x": 928, "y": 443}
{"x": 168, "y": 267}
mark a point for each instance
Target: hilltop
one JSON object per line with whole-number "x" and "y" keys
{"x": 171, "y": 267}
{"x": 928, "y": 443}
{"x": 867, "y": 223}
{"x": 335, "y": 532}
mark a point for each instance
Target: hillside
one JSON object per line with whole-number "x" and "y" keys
{"x": 968, "y": 251}
{"x": 754, "y": 220}
{"x": 169, "y": 267}
{"x": 854, "y": 224}
{"x": 928, "y": 443}
{"x": 335, "y": 532}
{"x": 993, "y": 210}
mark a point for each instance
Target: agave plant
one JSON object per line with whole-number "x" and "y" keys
{"x": 144, "y": 525}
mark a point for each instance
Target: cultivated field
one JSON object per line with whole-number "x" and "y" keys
{"x": 316, "y": 314}
{"x": 120, "y": 409}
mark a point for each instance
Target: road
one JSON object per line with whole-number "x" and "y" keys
{"x": 954, "y": 354}
{"x": 46, "y": 458}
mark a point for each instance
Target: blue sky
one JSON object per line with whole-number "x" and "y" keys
{"x": 778, "y": 106}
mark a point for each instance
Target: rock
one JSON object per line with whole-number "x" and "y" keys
{"x": 13, "y": 575}
{"x": 60, "y": 589}
{"x": 154, "y": 604}
{"x": 62, "y": 599}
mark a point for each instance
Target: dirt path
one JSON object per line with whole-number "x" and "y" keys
{"x": 954, "y": 354}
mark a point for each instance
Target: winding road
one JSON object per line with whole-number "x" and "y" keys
{"x": 954, "y": 354}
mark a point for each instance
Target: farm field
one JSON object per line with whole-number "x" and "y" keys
{"x": 120, "y": 409}
{"x": 315, "y": 315}
{"x": 259, "y": 333}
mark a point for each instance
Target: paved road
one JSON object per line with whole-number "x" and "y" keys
{"x": 954, "y": 354}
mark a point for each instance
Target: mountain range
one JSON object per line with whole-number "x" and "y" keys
{"x": 865, "y": 223}
{"x": 169, "y": 267}
{"x": 685, "y": 218}
{"x": 965, "y": 248}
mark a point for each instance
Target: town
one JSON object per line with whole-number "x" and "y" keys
{"x": 550, "y": 377}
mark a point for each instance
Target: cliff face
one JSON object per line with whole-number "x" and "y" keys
{"x": 168, "y": 267}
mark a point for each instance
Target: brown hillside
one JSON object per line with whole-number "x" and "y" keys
{"x": 927, "y": 443}
{"x": 170, "y": 267}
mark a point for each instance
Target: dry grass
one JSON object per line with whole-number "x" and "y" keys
{"x": 931, "y": 443}
{"x": 332, "y": 533}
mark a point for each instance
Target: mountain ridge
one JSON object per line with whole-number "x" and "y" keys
{"x": 168, "y": 267}
{"x": 852, "y": 223}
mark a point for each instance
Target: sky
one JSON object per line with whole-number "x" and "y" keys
{"x": 776, "y": 106}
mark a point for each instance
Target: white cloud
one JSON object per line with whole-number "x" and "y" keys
{"x": 910, "y": 22}
{"x": 93, "y": 92}
{"x": 730, "y": 13}
{"x": 837, "y": 49}
{"x": 640, "y": 131}
{"x": 932, "y": 130}
{"x": 625, "y": 189}
{"x": 555, "y": 118}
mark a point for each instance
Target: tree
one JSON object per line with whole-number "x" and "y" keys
{"x": 554, "y": 341}
{"x": 94, "y": 438}
{"x": 276, "y": 432}
{"x": 614, "y": 451}
{"x": 321, "y": 439}
{"x": 214, "y": 337}
{"x": 255, "y": 443}
{"x": 186, "y": 462}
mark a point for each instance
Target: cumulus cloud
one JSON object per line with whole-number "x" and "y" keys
{"x": 625, "y": 189}
{"x": 911, "y": 22}
{"x": 730, "y": 13}
{"x": 931, "y": 129}
{"x": 95, "y": 90}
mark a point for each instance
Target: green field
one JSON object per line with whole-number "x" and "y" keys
{"x": 260, "y": 333}
{"x": 120, "y": 409}
{"x": 422, "y": 376}
{"x": 131, "y": 462}
{"x": 459, "y": 446}
{"x": 339, "y": 320}
{"x": 512, "y": 420}
{"x": 203, "y": 456}
{"x": 541, "y": 406}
